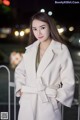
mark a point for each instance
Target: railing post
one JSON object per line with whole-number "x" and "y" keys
{"x": 8, "y": 71}
{"x": 10, "y": 84}
{"x": 79, "y": 102}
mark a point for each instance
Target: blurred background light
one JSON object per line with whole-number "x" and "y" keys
{"x": 71, "y": 28}
{"x": 78, "y": 53}
{"x": 21, "y": 33}
{"x": 79, "y": 40}
{"x": 27, "y": 30}
{"x": 50, "y": 13}
{"x": 16, "y": 33}
{"x": 60, "y": 30}
{"x": 6, "y": 2}
{"x": 5, "y": 30}
{"x": 1, "y": 2}
{"x": 58, "y": 26}
{"x": 3, "y": 35}
{"x": 42, "y": 10}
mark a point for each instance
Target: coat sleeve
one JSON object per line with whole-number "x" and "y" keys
{"x": 65, "y": 94}
{"x": 19, "y": 76}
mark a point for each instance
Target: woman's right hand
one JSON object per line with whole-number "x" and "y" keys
{"x": 20, "y": 93}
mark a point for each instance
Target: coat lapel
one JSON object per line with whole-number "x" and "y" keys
{"x": 31, "y": 58}
{"x": 47, "y": 58}
{"x": 52, "y": 50}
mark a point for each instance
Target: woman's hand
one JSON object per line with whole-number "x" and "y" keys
{"x": 20, "y": 92}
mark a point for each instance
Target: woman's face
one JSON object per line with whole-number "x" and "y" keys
{"x": 41, "y": 30}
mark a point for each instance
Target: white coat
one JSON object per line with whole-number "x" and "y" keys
{"x": 48, "y": 87}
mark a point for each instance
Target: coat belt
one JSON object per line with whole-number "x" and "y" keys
{"x": 44, "y": 92}
{"x": 47, "y": 94}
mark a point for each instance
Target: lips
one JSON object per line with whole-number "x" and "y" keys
{"x": 40, "y": 37}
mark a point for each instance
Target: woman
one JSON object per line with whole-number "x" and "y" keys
{"x": 45, "y": 76}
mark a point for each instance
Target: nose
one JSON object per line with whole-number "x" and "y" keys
{"x": 39, "y": 32}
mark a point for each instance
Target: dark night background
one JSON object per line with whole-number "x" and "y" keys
{"x": 22, "y": 10}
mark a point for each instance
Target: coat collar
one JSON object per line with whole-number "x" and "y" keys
{"x": 54, "y": 48}
{"x": 54, "y": 45}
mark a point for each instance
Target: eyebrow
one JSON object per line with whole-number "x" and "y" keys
{"x": 39, "y": 26}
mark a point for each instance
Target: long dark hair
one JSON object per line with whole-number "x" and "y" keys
{"x": 52, "y": 25}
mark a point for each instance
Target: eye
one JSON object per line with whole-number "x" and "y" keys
{"x": 34, "y": 29}
{"x": 43, "y": 27}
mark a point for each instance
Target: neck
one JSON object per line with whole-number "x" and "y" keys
{"x": 45, "y": 44}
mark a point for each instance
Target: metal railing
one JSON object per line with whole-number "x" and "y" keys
{"x": 10, "y": 84}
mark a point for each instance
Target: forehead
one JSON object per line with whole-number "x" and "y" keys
{"x": 38, "y": 23}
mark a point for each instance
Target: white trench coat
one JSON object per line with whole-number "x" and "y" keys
{"x": 48, "y": 87}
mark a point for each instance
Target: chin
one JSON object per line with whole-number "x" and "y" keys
{"x": 42, "y": 40}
